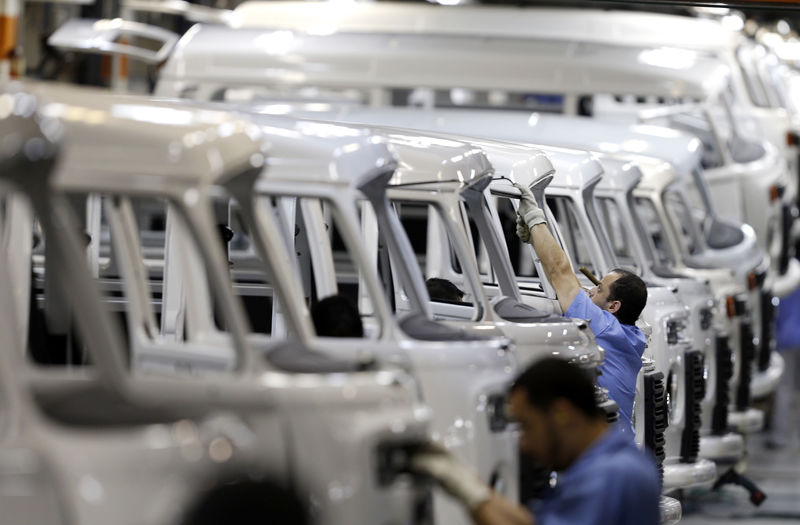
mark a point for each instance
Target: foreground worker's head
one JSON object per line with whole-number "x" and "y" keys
{"x": 622, "y": 293}
{"x": 554, "y": 403}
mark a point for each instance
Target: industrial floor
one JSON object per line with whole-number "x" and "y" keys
{"x": 776, "y": 472}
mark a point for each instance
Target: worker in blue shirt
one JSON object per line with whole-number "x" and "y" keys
{"x": 612, "y": 307}
{"x": 603, "y": 478}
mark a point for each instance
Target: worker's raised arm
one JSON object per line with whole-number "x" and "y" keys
{"x": 532, "y": 227}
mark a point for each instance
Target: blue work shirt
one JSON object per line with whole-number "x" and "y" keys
{"x": 787, "y": 336}
{"x": 611, "y": 483}
{"x": 624, "y": 345}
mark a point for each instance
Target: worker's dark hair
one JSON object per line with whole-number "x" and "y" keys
{"x": 629, "y": 289}
{"x": 553, "y": 378}
{"x": 247, "y": 502}
{"x": 337, "y": 316}
{"x": 443, "y": 290}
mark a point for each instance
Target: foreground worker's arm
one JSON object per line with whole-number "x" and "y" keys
{"x": 459, "y": 479}
{"x": 532, "y": 227}
{"x": 501, "y": 511}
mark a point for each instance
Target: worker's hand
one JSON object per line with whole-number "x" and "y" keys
{"x": 523, "y": 232}
{"x": 529, "y": 209}
{"x": 454, "y": 476}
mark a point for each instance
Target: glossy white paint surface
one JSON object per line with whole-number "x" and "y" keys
{"x": 253, "y": 57}
{"x": 616, "y": 27}
{"x": 674, "y": 39}
{"x": 108, "y": 472}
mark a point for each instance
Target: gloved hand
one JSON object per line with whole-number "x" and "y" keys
{"x": 523, "y": 232}
{"x": 454, "y": 476}
{"x": 529, "y": 209}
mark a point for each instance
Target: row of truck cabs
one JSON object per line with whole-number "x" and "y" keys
{"x": 164, "y": 254}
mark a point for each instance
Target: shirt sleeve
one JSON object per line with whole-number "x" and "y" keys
{"x": 582, "y": 307}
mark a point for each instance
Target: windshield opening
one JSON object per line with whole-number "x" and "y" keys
{"x": 620, "y": 239}
{"x": 152, "y": 276}
{"x": 740, "y": 131}
{"x": 774, "y": 74}
{"x": 575, "y": 239}
{"x": 755, "y": 89}
{"x": 317, "y": 255}
{"x": 479, "y": 248}
{"x": 325, "y": 268}
{"x": 599, "y": 231}
{"x": 647, "y": 216}
{"x": 251, "y": 281}
{"x": 699, "y": 193}
{"x": 680, "y": 213}
{"x": 426, "y": 225}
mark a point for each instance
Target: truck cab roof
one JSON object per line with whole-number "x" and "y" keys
{"x": 681, "y": 149}
{"x": 290, "y": 59}
{"x": 621, "y": 27}
{"x": 313, "y": 151}
{"x": 115, "y": 146}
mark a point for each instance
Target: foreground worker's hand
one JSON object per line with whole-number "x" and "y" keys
{"x": 456, "y": 477}
{"x": 529, "y": 209}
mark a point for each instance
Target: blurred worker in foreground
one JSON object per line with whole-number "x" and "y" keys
{"x": 613, "y": 306}
{"x": 603, "y": 478}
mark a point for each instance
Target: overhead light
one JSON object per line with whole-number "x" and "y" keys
{"x": 668, "y": 57}
{"x": 732, "y": 22}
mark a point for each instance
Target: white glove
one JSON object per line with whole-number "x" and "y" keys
{"x": 523, "y": 232}
{"x": 454, "y": 476}
{"x": 529, "y": 209}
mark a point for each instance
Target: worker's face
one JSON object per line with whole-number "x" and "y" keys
{"x": 599, "y": 294}
{"x": 539, "y": 439}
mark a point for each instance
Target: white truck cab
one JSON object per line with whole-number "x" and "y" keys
{"x": 284, "y": 391}
{"x": 731, "y": 289}
{"x": 88, "y": 444}
{"x": 326, "y": 184}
